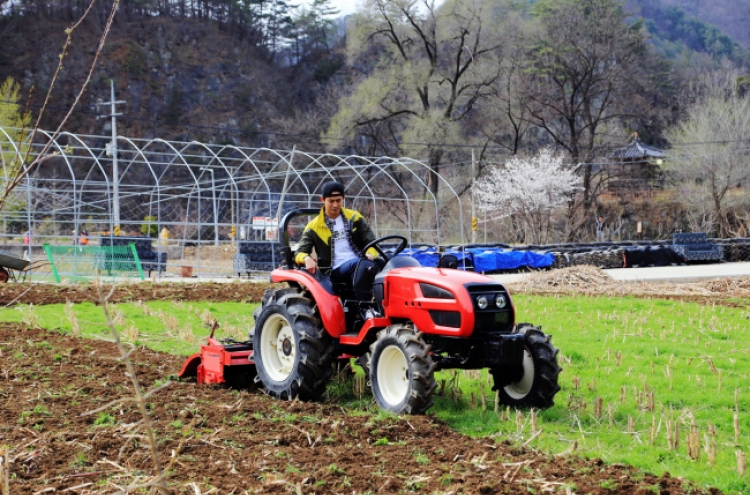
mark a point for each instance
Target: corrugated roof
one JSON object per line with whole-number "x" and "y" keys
{"x": 637, "y": 149}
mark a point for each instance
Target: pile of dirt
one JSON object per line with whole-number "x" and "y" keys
{"x": 575, "y": 278}
{"x": 68, "y": 423}
{"x": 593, "y": 281}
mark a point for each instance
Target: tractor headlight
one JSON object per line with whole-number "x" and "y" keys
{"x": 482, "y": 302}
{"x": 500, "y": 301}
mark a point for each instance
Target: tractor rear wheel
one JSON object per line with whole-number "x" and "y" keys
{"x": 538, "y": 384}
{"x": 293, "y": 353}
{"x": 401, "y": 370}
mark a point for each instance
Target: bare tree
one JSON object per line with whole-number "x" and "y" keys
{"x": 503, "y": 118}
{"x": 710, "y": 157}
{"x": 423, "y": 71}
{"x": 593, "y": 75}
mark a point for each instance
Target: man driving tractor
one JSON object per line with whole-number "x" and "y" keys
{"x": 337, "y": 235}
{"x": 415, "y": 320}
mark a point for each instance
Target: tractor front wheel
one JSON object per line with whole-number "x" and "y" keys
{"x": 537, "y": 385}
{"x": 401, "y": 370}
{"x": 293, "y": 353}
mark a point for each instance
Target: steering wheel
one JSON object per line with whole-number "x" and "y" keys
{"x": 375, "y": 245}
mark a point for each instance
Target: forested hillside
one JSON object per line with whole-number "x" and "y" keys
{"x": 732, "y": 17}
{"x": 492, "y": 78}
{"x": 718, "y": 29}
{"x": 264, "y": 73}
{"x": 197, "y": 70}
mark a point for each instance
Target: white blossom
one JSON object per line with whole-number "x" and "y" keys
{"x": 529, "y": 189}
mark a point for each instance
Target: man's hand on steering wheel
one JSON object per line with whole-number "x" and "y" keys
{"x": 375, "y": 244}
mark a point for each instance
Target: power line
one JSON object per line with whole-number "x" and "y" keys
{"x": 314, "y": 139}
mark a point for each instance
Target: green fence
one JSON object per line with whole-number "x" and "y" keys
{"x": 83, "y": 263}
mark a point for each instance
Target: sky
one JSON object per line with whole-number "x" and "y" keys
{"x": 346, "y": 7}
{"x": 350, "y": 6}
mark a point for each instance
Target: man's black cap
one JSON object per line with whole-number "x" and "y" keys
{"x": 332, "y": 189}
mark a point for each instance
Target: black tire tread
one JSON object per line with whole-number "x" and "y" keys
{"x": 546, "y": 370}
{"x": 315, "y": 347}
{"x": 422, "y": 366}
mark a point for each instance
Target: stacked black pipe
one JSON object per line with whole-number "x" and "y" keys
{"x": 257, "y": 256}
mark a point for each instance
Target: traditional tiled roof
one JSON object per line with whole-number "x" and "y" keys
{"x": 636, "y": 149}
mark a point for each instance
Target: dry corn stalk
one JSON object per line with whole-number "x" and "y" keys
{"x": 70, "y": 314}
{"x": 719, "y": 385}
{"x": 710, "y": 447}
{"x": 736, "y": 428}
{"x": 693, "y": 441}
{"x": 131, "y": 334}
{"x": 741, "y": 463}
{"x": 519, "y": 421}
{"x": 119, "y": 318}
{"x": 670, "y": 435}
{"x": 598, "y": 407}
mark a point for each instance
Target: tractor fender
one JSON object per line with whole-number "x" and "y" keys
{"x": 190, "y": 367}
{"x": 329, "y": 305}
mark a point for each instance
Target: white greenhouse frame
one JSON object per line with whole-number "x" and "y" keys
{"x": 207, "y": 195}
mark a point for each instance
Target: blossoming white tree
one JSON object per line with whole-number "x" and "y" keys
{"x": 529, "y": 190}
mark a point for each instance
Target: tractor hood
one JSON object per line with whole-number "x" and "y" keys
{"x": 445, "y": 301}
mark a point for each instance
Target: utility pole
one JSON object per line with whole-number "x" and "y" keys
{"x": 213, "y": 196}
{"x": 473, "y": 200}
{"x": 112, "y": 150}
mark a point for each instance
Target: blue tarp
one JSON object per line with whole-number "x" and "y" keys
{"x": 426, "y": 257}
{"x": 483, "y": 260}
{"x": 486, "y": 261}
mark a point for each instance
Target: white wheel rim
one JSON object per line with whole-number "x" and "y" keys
{"x": 392, "y": 373}
{"x": 521, "y": 388}
{"x": 278, "y": 348}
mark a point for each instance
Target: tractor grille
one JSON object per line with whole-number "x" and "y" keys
{"x": 446, "y": 318}
{"x": 493, "y": 322}
{"x": 491, "y": 318}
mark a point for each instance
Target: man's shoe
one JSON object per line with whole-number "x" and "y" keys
{"x": 372, "y": 313}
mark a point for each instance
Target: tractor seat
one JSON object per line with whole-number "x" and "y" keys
{"x": 397, "y": 262}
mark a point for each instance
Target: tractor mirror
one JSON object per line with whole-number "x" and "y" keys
{"x": 448, "y": 261}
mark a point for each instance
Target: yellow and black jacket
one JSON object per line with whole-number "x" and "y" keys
{"x": 317, "y": 236}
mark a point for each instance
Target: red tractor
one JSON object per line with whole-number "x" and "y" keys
{"x": 417, "y": 321}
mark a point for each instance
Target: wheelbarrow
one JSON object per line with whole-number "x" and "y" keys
{"x": 11, "y": 265}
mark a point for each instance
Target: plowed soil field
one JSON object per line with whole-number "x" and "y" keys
{"x": 69, "y": 423}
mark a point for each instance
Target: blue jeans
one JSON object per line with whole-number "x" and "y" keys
{"x": 344, "y": 274}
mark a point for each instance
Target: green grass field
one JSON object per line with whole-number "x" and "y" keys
{"x": 660, "y": 385}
